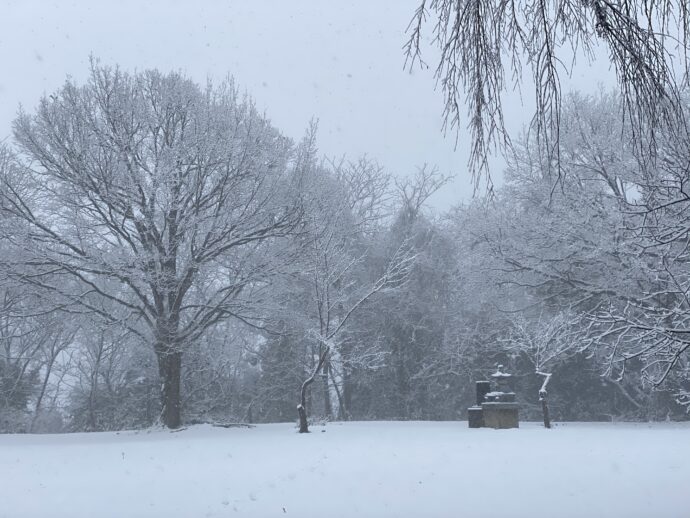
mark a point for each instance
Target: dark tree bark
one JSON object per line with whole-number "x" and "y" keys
{"x": 545, "y": 409}
{"x": 346, "y": 398}
{"x": 303, "y": 424}
{"x": 543, "y": 398}
{"x": 328, "y": 408}
{"x": 42, "y": 393}
{"x": 170, "y": 368}
{"x": 343, "y": 413}
{"x": 302, "y": 407}
{"x": 93, "y": 389}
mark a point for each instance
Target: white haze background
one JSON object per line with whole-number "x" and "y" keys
{"x": 341, "y": 62}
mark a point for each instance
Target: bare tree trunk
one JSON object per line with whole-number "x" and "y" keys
{"x": 303, "y": 424}
{"x": 327, "y": 406}
{"x": 41, "y": 394}
{"x": 347, "y": 394}
{"x": 93, "y": 390}
{"x": 545, "y": 410}
{"x": 302, "y": 407}
{"x": 543, "y": 398}
{"x": 170, "y": 368}
{"x": 342, "y": 410}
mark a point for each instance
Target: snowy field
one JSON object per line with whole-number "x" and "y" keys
{"x": 378, "y": 469}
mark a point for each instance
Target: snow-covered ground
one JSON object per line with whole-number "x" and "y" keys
{"x": 378, "y": 469}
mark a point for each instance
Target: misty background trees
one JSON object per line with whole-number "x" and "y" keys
{"x": 168, "y": 256}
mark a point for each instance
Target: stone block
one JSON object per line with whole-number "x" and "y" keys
{"x": 500, "y": 415}
{"x": 482, "y": 387}
{"x": 475, "y": 417}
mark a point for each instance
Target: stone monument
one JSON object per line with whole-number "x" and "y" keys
{"x": 494, "y": 408}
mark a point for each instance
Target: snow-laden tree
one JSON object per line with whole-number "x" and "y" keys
{"x": 220, "y": 373}
{"x": 112, "y": 380}
{"x": 342, "y": 207}
{"x": 412, "y": 321}
{"x": 564, "y": 241}
{"x": 652, "y": 327}
{"x": 625, "y": 218}
{"x": 21, "y": 341}
{"x": 32, "y": 341}
{"x": 149, "y": 202}
{"x": 545, "y": 342}
{"x": 607, "y": 241}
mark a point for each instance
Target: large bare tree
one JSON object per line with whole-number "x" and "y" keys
{"x": 148, "y": 201}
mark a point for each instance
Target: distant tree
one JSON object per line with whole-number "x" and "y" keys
{"x": 545, "y": 342}
{"x": 114, "y": 383}
{"x": 150, "y": 203}
{"x": 608, "y": 244}
{"x": 563, "y": 244}
{"x": 651, "y": 327}
{"x": 31, "y": 341}
{"x": 60, "y": 338}
{"x": 393, "y": 276}
{"x": 340, "y": 209}
{"x": 482, "y": 41}
{"x": 411, "y": 322}
{"x": 283, "y": 361}
{"x": 218, "y": 374}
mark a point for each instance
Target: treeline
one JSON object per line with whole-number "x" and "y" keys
{"x": 167, "y": 256}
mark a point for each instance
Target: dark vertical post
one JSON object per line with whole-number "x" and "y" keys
{"x": 475, "y": 417}
{"x": 483, "y": 388}
{"x": 545, "y": 408}
{"x": 475, "y": 414}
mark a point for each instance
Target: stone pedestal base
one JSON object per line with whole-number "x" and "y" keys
{"x": 500, "y": 415}
{"x": 475, "y": 417}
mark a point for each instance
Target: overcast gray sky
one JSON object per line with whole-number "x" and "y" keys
{"x": 338, "y": 61}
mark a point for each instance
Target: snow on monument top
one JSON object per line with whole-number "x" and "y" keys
{"x": 499, "y": 374}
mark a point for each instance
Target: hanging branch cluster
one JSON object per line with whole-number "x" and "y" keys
{"x": 479, "y": 40}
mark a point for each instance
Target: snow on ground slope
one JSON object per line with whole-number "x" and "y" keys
{"x": 378, "y": 469}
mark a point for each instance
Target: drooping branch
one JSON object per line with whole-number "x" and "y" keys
{"x": 480, "y": 40}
